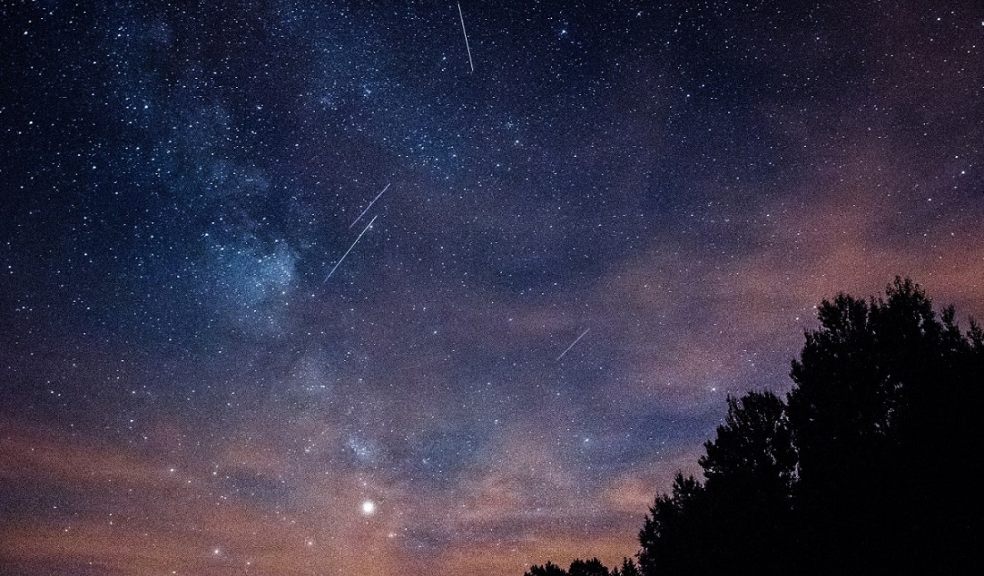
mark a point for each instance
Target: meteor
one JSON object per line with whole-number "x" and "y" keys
{"x": 369, "y": 206}
{"x": 576, "y": 340}
{"x": 359, "y": 237}
{"x": 463, "y": 31}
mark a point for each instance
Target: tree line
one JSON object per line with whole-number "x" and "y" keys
{"x": 870, "y": 464}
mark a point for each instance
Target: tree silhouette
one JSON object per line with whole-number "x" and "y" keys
{"x": 672, "y": 535}
{"x": 886, "y": 399}
{"x": 749, "y": 470}
{"x": 741, "y": 515}
{"x": 628, "y": 568}
{"x": 592, "y": 567}
{"x": 548, "y": 569}
{"x": 871, "y": 465}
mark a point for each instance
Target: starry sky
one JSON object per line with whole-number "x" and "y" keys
{"x": 317, "y": 288}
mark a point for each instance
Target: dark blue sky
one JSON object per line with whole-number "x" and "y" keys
{"x": 184, "y": 388}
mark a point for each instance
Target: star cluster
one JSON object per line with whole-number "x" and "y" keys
{"x": 288, "y": 288}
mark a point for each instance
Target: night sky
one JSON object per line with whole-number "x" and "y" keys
{"x": 193, "y": 380}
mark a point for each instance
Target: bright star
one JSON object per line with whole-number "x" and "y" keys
{"x": 368, "y": 507}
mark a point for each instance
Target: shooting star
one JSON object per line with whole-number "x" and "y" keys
{"x": 576, "y": 340}
{"x": 463, "y": 31}
{"x": 357, "y": 238}
{"x": 369, "y": 206}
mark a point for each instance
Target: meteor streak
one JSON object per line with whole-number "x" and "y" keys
{"x": 369, "y": 206}
{"x": 463, "y": 31}
{"x": 576, "y": 340}
{"x": 357, "y": 238}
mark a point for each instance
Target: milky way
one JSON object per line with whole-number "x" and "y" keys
{"x": 195, "y": 380}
